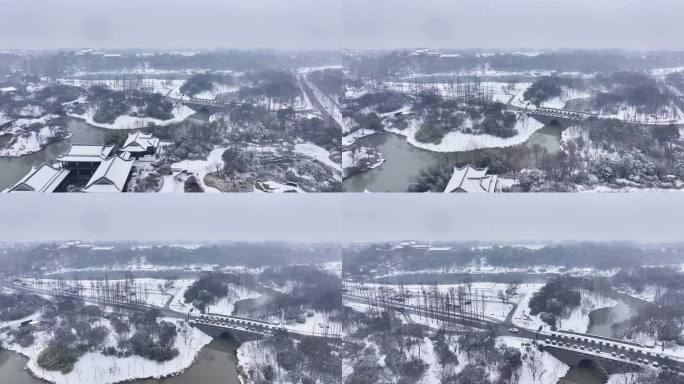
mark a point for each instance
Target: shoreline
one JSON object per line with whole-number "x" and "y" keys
{"x": 30, "y": 363}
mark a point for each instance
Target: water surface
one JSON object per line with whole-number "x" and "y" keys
{"x": 12, "y": 169}
{"x": 403, "y": 162}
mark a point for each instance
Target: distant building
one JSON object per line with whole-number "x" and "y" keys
{"x": 85, "y": 159}
{"x": 111, "y": 176}
{"x": 140, "y": 144}
{"x": 472, "y": 180}
{"x": 45, "y": 179}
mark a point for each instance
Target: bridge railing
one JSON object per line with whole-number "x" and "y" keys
{"x": 601, "y": 338}
{"x": 632, "y": 357}
{"x": 240, "y": 318}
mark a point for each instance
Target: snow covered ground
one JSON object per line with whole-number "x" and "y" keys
{"x": 577, "y": 320}
{"x": 175, "y": 183}
{"x": 149, "y": 291}
{"x": 226, "y": 305}
{"x": 521, "y": 316}
{"x": 631, "y": 378}
{"x": 492, "y": 306}
{"x": 553, "y": 369}
{"x": 252, "y": 356}
{"x": 319, "y": 153}
{"x": 356, "y": 158}
{"x": 334, "y": 267}
{"x": 31, "y": 111}
{"x": 508, "y": 93}
{"x": 218, "y": 89}
{"x": 165, "y": 87}
{"x": 350, "y": 138}
{"x": 180, "y": 113}
{"x": 667, "y": 114}
{"x": 15, "y": 323}
{"x": 29, "y": 142}
{"x": 502, "y": 92}
{"x": 550, "y": 372}
{"x": 300, "y": 104}
{"x": 650, "y": 293}
{"x": 460, "y": 142}
{"x": 480, "y": 267}
{"x": 95, "y": 368}
{"x": 178, "y": 301}
{"x": 270, "y": 186}
{"x": 25, "y": 140}
{"x": 567, "y": 94}
{"x": 317, "y": 323}
{"x": 143, "y": 266}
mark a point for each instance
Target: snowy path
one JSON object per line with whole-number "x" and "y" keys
{"x": 319, "y": 153}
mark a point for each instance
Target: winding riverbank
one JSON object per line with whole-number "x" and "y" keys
{"x": 216, "y": 363}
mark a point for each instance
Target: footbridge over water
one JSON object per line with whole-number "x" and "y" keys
{"x": 216, "y": 324}
{"x": 562, "y": 116}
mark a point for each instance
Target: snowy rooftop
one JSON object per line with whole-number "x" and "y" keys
{"x": 7, "y": 89}
{"x": 42, "y": 179}
{"x": 471, "y": 180}
{"x": 84, "y": 152}
{"x": 140, "y": 142}
{"x": 110, "y": 176}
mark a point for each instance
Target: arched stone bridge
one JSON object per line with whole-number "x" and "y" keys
{"x": 561, "y": 115}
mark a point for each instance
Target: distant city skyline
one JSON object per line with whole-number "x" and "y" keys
{"x": 342, "y": 24}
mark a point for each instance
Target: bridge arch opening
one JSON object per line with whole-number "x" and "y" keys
{"x": 591, "y": 368}
{"x": 556, "y": 123}
{"x": 227, "y": 335}
{"x": 587, "y": 363}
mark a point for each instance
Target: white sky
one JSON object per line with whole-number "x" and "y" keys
{"x": 349, "y": 217}
{"x": 281, "y": 24}
{"x": 634, "y": 24}
{"x": 330, "y": 24}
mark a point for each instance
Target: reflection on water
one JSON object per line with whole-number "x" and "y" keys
{"x": 601, "y": 323}
{"x": 403, "y": 162}
{"x": 216, "y": 364}
{"x": 12, "y": 169}
{"x": 602, "y": 320}
{"x": 12, "y": 369}
{"x": 547, "y": 137}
